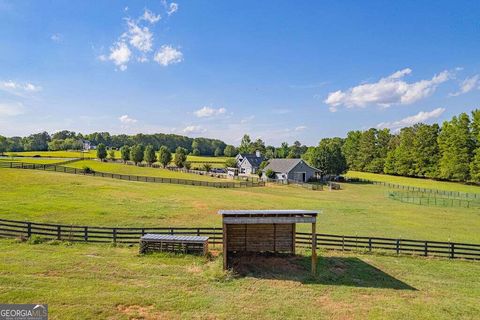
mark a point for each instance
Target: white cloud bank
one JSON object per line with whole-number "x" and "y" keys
{"x": 468, "y": 85}
{"x": 194, "y": 130}
{"x": 420, "y": 117}
{"x": 168, "y": 55}
{"x": 17, "y": 87}
{"x": 125, "y": 119}
{"x": 207, "y": 112}
{"x": 137, "y": 42}
{"x": 387, "y": 91}
{"x": 120, "y": 55}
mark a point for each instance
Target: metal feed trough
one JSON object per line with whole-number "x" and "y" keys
{"x": 174, "y": 243}
{"x": 264, "y": 231}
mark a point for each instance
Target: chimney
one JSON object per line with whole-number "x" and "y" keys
{"x": 257, "y": 154}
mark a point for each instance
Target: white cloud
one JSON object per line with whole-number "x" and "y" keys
{"x": 468, "y": 85}
{"x": 56, "y": 37}
{"x": 120, "y": 55}
{"x": 150, "y": 16}
{"x": 386, "y": 92}
{"x": 139, "y": 37}
{"x": 11, "y": 109}
{"x": 300, "y": 128}
{"x": 168, "y": 55}
{"x": 194, "y": 130}
{"x": 172, "y": 8}
{"x": 247, "y": 119}
{"x": 422, "y": 116}
{"x": 126, "y": 119}
{"x": 207, "y": 112}
{"x": 18, "y": 88}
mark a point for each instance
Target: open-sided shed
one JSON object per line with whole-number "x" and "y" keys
{"x": 264, "y": 231}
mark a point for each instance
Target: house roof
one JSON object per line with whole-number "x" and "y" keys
{"x": 284, "y": 165}
{"x": 253, "y": 159}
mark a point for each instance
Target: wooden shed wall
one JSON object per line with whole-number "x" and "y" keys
{"x": 261, "y": 237}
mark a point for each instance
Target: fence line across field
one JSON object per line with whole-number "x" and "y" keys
{"x": 64, "y": 169}
{"x": 131, "y": 235}
{"x": 465, "y": 195}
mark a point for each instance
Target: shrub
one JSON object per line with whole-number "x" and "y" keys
{"x": 207, "y": 167}
{"x": 187, "y": 165}
{"x": 87, "y": 169}
{"x": 270, "y": 174}
{"x": 230, "y": 163}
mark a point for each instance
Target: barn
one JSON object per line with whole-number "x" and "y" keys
{"x": 291, "y": 169}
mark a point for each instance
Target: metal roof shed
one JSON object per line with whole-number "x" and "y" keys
{"x": 264, "y": 231}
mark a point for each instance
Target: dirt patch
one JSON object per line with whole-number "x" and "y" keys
{"x": 268, "y": 265}
{"x": 136, "y": 312}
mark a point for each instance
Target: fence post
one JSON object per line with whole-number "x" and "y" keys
{"x": 426, "y": 249}
{"x": 343, "y": 243}
{"x": 85, "y": 234}
{"x": 398, "y": 246}
{"x": 114, "y": 232}
{"x": 370, "y": 244}
{"x": 29, "y": 229}
{"x": 198, "y": 231}
{"x": 59, "y": 232}
{"x": 452, "y": 250}
{"x": 143, "y": 232}
{"x": 171, "y": 230}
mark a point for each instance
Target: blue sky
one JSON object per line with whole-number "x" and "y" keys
{"x": 279, "y": 70}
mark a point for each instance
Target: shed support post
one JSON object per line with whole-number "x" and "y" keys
{"x": 314, "y": 248}
{"x": 224, "y": 245}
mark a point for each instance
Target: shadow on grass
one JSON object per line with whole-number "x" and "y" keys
{"x": 338, "y": 271}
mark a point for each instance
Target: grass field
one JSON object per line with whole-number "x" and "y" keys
{"x": 416, "y": 182}
{"x": 86, "y": 281}
{"x": 141, "y": 171}
{"x": 358, "y": 209}
{"x": 32, "y": 160}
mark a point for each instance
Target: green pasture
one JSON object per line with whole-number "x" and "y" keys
{"x": 89, "y": 281}
{"x": 416, "y": 182}
{"x": 357, "y": 209}
{"x": 141, "y": 171}
{"x": 32, "y": 160}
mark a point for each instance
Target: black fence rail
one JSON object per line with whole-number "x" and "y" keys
{"x": 453, "y": 250}
{"x": 16, "y": 229}
{"x": 74, "y": 233}
{"x": 456, "y": 194}
{"x": 64, "y": 169}
{"x": 428, "y": 199}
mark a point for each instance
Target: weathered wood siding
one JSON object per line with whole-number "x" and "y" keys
{"x": 260, "y": 237}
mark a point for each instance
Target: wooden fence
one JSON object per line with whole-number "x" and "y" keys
{"x": 456, "y": 194}
{"x": 64, "y": 169}
{"x": 452, "y": 250}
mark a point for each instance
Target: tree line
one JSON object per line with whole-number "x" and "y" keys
{"x": 447, "y": 152}
{"x": 69, "y": 140}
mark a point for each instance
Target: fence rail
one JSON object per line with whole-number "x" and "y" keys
{"x": 453, "y": 250}
{"x": 433, "y": 199}
{"x": 457, "y": 194}
{"x": 427, "y": 248}
{"x": 64, "y": 169}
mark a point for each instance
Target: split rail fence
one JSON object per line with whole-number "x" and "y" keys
{"x": 452, "y": 250}
{"x": 64, "y": 169}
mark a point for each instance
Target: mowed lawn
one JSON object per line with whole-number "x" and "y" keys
{"x": 32, "y": 160}
{"x": 416, "y": 182}
{"x": 140, "y": 171}
{"x": 357, "y": 209}
{"x": 90, "y": 281}
{"x": 56, "y": 154}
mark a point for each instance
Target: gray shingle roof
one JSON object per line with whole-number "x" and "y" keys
{"x": 283, "y": 165}
{"x": 253, "y": 160}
